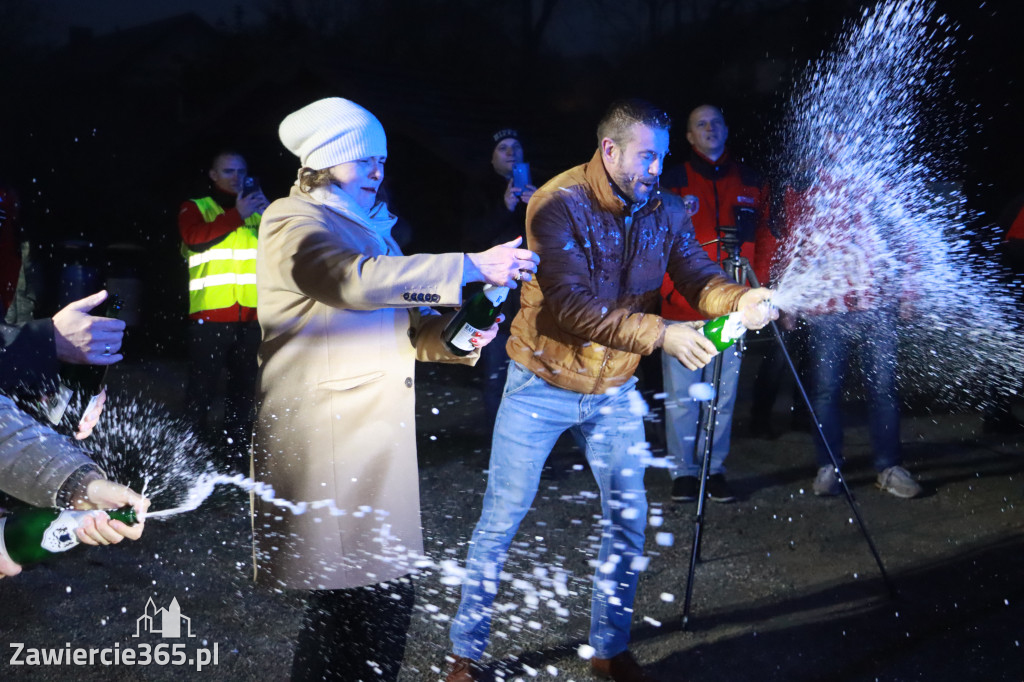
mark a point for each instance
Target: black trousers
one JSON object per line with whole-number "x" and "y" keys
{"x": 355, "y": 634}
{"x": 232, "y": 346}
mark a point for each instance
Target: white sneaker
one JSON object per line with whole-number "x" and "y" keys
{"x": 898, "y": 481}
{"x": 826, "y": 484}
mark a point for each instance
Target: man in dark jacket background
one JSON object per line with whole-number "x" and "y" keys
{"x": 494, "y": 212}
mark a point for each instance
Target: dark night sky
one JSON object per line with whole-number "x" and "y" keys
{"x": 106, "y": 136}
{"x": 746, "y": 67}
{"x": 108, "y": 15}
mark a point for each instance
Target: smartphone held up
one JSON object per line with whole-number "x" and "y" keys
{"x": 251, "y": 185}
{"x": 521, "y": 175}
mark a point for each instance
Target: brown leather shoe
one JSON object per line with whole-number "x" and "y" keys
{"x": 620, "y": 668}
{"x": 461, "y": 670}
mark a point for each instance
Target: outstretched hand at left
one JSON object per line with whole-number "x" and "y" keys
{"x": 503, "y": 265}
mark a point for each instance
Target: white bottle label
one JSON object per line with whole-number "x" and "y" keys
{"x": 462, "y": 338}
{"x": 60, "y": 535}
{"x": 733, "y": 327}
{"x": 55, "y": 405}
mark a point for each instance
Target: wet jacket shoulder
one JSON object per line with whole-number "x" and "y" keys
{"x": 591, "y": 311}
{"x": 36, "y": 463}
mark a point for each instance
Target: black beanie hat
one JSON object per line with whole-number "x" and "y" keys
{"x": 503, "y": 134}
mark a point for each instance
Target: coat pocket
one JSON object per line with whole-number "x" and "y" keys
{"x": 349, "y": 383}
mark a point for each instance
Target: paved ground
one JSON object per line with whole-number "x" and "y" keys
{"x": 787, "y": 588}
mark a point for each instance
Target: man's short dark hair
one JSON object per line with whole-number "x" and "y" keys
{"x": 622, "y": 114}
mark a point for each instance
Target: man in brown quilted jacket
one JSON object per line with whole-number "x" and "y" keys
{"x": 606, "y": 236}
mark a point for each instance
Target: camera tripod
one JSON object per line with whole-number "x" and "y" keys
{"x": 739, "y": 268}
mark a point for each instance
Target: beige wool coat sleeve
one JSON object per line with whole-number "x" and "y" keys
{"x": 343, "y": 324}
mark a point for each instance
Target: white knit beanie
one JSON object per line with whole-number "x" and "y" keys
{"x": 332, "y": 131}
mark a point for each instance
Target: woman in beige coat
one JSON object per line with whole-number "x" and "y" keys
{"x": 344, "y": 319}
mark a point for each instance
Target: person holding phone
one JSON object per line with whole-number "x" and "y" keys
{"x": 219, "y": 234}
{"x": 507, "y": 162}
{"x": 494, "y": 213}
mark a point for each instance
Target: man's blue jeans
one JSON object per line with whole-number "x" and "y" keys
{"x": 872, "y": 335}
{"x": 682, "y": 413}
{"x": 609, "y": 427}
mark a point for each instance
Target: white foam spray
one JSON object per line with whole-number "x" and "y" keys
{"x": 869, "y": 138}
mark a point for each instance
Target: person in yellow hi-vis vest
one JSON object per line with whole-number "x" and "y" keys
{"x": 219, "y": 242}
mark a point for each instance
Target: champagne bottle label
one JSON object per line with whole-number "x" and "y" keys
{"x": 478, "y": 314}
{"x": 55, "y": 404}
{"x": 462, "y": 338}
{"x": 60, "y": 535}
{"x": 733, "y": 328}
{"x": 32, "y": 535}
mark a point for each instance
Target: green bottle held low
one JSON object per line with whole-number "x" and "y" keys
{"x": 31, "y": 535}
{"x": 725, "y": 330}
{"x": 478, "y": 314}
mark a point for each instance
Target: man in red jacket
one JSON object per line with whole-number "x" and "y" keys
{"x": 723, "y": 196}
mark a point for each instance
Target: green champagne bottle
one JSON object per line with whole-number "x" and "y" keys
{"x": 31, "y": 535}
{"x": 725, "y": 330}
{"x": 478, "y": 314}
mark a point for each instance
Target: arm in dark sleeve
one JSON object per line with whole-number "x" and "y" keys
{"x": 200, "y": 235}
{"x": 28, "y": 354}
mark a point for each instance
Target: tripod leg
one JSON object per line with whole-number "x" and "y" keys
{"x": 828, "y": 449}
{"x": 835, "y": 463}
{"x": 739, "y": 269}
{"x": 708, "y": 414}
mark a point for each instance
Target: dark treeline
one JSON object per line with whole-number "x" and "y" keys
{"x": 106, "y": 134}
